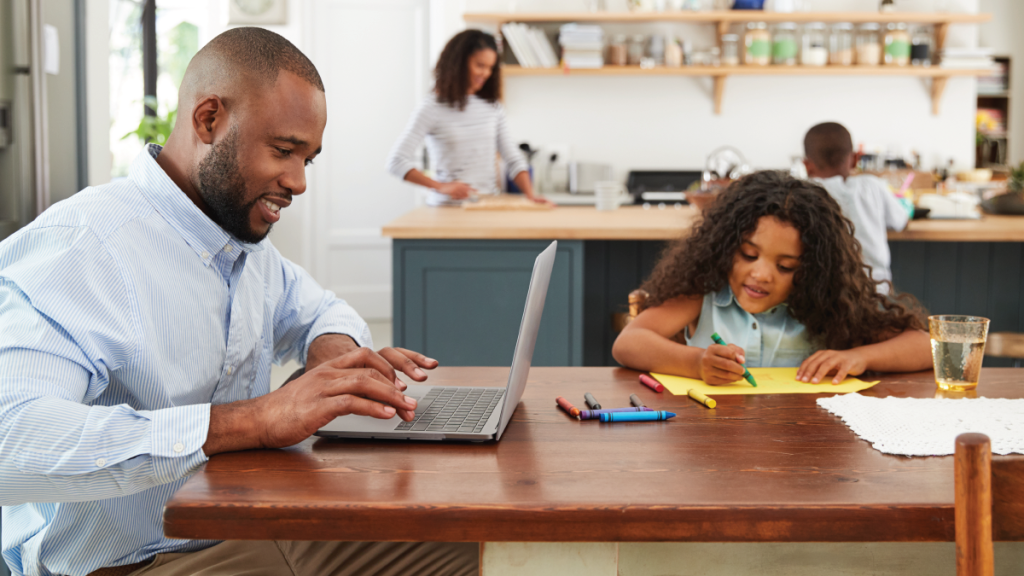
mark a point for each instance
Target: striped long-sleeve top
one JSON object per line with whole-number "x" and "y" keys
{"x": 461, "y": 145}
{"x": 125, "y": 313}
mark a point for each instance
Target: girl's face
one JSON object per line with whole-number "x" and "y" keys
{"x": 763, "y": 266}
{"x": 481, "y": 63}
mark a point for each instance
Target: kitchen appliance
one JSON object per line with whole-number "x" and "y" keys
{"x": 661, "y": 185}
{"x": 584, "y": 175}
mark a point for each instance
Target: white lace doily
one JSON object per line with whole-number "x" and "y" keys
{"x": 929, "y": 426}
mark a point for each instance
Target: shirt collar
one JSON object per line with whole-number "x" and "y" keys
{"x": 205, "y": 236}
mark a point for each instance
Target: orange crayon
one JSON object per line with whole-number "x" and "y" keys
{"x": 568, "y": 407}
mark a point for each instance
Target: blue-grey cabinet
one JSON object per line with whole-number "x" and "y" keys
{"x": 461, "y": 301}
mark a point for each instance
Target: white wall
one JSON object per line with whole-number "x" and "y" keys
{"x": 668, "y": 122}
{"x": 1003, "y": 34}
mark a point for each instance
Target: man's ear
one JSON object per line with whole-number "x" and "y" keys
{"x": 812, "y": 170}
{"x": 854, "y": 158}
{"x": 207, "y": 116}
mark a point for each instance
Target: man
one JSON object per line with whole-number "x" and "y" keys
{"x": 138, "y": 322}
{"x": 865, "y": 199}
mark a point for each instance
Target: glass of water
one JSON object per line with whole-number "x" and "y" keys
{"x": 958, "y": 346}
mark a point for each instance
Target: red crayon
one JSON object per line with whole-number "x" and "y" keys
{"x": 565, "y": 405}
{"x": 651, "y": 383}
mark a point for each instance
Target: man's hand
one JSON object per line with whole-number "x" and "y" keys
{"x": 330, "y": 346}
{"x": 722, "y": 364}
{"x": 840, "y": 363}
{"x": 352, "y": 384}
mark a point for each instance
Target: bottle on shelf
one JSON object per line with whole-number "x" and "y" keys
{"x": 869, "y": 46}
{"x": 784, "y": 45}
{"x": 897, "y": 45}
{"x": 757, "y": 45}
{"x": 841, "y": 45}
{"x": 921, "y": 47}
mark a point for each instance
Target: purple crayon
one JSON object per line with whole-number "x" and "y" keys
{"x": 595, "y": 414}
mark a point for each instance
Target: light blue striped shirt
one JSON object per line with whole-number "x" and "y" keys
{"x": 125, "y": 313}
{"x": 771, "y": 339}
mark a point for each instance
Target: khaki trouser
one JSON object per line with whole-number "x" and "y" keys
{"x": 270, "y": 558}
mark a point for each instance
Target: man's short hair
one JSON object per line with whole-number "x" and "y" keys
{"x": 260, "y": 54}
{"x": 828, "y": 145}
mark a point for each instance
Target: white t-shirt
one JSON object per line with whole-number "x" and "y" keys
{"x": 868, "y": 203}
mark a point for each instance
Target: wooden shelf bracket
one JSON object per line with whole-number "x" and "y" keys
{"x": 938, "y": 87}
{"x": 719, "y": 92}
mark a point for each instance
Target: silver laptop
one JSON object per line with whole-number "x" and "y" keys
{"x": 457, "y": 412}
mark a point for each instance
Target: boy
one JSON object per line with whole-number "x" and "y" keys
{"x": 865, "y": 200}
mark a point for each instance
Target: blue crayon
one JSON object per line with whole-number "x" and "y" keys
{"x": 637, "y": 416}
{"x": 595, "y": 414}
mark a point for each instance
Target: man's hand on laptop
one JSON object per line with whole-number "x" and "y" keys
{"x": 360, "y": 382}
{"x": 330, "y": 346}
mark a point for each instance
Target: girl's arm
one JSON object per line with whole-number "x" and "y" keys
{"x": 908, "y": 351}
{"x": 645, "y": 344}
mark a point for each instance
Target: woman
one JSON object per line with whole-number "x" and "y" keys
{"x": 464, "y": 126}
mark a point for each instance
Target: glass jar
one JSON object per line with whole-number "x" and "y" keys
{"x": 869, "y": 45}
{"x": 757, "y": 45}
{"x": 814, "y": 51}
{"x": 730, "y": 50}
{"x": 897, "y": 45}
{"x": 784, "y": 45}
{"x": 636, "y": 50}
{"x": 618, "y": 51}
{"x": 921, "y": 47}
{"x": 840, "y": 49}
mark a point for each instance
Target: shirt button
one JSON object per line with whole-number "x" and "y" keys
{"x": 228, "y": 248}
{"x": 230, "y": 370}
{"x": 101, "y": 462}
{"x": 179, "y": 447}
{"x": 206, "y": 255}
{"x": 755, "y": 326}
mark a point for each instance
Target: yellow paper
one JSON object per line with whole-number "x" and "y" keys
{"x": 769, "y": 381}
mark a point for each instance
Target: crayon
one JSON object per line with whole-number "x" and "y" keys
{"x": 595, "y": 414}
{"x": 637, "y": 416}
{"x": 746, "y": 373}
{"x": 568, "y": 407}
{"x": 591, "y": 401}
{"x": 696, "y": 395}
{"x": 635, "y": 401}
{"x": 651, "y": 383}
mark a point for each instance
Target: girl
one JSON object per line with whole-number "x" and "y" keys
{"x": 464, "y": 126}
{"x": 775, "y": 270}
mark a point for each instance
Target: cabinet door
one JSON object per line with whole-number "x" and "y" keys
{"x": 461, "y": 301}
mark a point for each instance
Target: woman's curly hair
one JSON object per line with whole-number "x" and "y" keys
{"x": 451, "y": 75}
{"x": 833, "y": 294}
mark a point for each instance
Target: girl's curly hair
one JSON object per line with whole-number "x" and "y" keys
{"x": 833, "y": 294}
{"x": 451, "y": 75}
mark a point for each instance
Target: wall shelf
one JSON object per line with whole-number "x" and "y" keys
{"x": 724, "y": 19}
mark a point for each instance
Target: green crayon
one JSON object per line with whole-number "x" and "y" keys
{"x": 746, "y": 373}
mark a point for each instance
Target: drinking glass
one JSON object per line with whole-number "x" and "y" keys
{"x": 958, "y": 346}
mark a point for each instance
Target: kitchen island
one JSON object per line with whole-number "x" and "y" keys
{"x": 460, "y": 277}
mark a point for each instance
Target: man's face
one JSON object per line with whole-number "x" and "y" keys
{"x": 253, "y": 171}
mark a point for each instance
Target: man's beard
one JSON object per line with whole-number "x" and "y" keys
{"x": 223, "y": 189}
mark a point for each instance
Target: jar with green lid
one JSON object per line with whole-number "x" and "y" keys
{"x": 869, "y": 46}
{"x": 840, "y": 49}
{"x": 785, "y": 47}
{"x": 897, "y": 45}
{"x": 757, "y": 50}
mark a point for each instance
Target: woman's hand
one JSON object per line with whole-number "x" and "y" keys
{"x": 541, "y": 200}
{"x": 840, "y": 363}
{"x": 722, "y": 364}
{"x": 456, "y": 190}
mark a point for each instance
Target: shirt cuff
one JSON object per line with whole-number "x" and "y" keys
{"x": 176, "y": 439}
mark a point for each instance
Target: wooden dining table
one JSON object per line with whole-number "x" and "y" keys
{"x": 757, "y": 468}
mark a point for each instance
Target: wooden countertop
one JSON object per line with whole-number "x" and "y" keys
{"x": 636, "y": 223}
{"x": 771, "y": 468}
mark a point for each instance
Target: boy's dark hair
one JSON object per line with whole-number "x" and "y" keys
{"x": 451, "y": 75}
{"x": 833, "y": 294}
{"x": 828, "y": 145}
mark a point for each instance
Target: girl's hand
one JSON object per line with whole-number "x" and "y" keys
{"x": 457, "y": 190}
{"x": 841, "y": 363}
{"x": 722, "y": 364}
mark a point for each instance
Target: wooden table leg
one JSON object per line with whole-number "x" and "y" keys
{"x": 548, "y": 558}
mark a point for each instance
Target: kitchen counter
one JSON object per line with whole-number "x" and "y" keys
{"x": 636, "y": 223}
{"x": 460, "y": 277}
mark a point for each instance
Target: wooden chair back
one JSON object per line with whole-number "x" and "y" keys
{"x": 989, "y": 503}
{"x": 1005, "y": 345}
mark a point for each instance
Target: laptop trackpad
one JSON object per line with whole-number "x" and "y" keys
{"x": 357, "y": 423}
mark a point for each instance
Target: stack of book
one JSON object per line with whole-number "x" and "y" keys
{"x": 582, "y": 46}
{"x": 966, "y": 58}
{"x": 998, "y": 82}
{"x": 530, "y": 45}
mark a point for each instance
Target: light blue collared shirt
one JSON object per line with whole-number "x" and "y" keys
{"x": 125, "y": 313}
{"x": 771, "y": 339}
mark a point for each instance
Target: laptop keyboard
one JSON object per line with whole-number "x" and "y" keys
{"x": 458, "y": 409}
